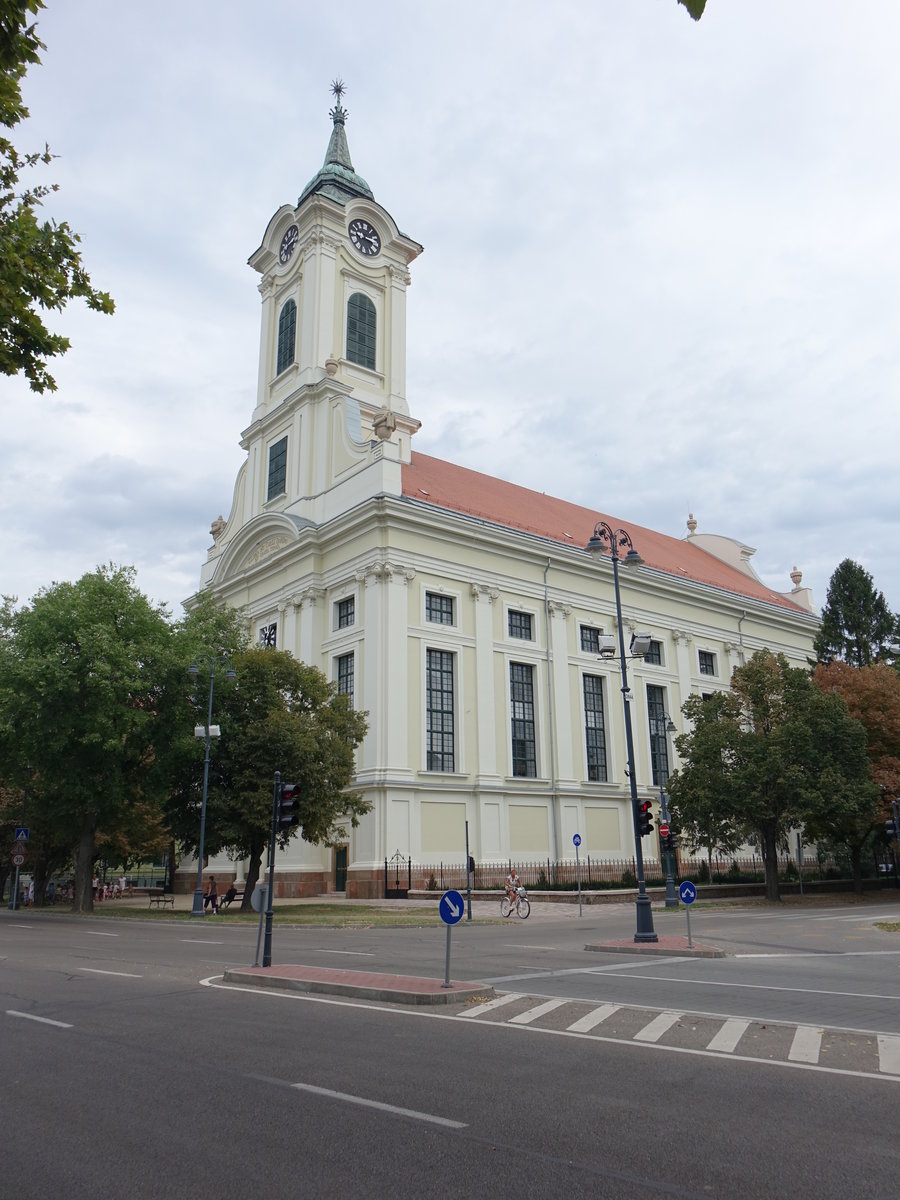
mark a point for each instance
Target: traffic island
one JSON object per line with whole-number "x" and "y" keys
{"x": 366, "y": 985}
{"x": 666, "y": 944}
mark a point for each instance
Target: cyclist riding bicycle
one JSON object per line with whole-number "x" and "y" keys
{"x": 512, "y": 886}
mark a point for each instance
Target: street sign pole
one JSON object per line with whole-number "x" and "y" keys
{"x": 468, "y": 878}
{"x": 451, "y": 909}
{"x": 576, "y": 841}
{"x": 688, "y": 894}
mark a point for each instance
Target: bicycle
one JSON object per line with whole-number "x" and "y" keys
{"x": 522, "y": 905}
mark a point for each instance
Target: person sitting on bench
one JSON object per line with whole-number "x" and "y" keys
{"x": 228, "y": 897}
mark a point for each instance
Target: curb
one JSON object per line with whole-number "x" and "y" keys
{"x": 399, "y": 989}
{"x": 666, "y": 945}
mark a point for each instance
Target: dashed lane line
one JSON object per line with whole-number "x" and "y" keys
{"x": 348, "y": 1098}
{"x": 11, "y": 1012}
{"x": 121, "y": 974}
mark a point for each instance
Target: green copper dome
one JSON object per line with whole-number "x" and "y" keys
{"x": 337, "y": 180}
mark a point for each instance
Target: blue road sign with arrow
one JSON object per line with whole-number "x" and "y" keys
{"x": 451, "y": 907}
{"x": 687, "y": 892}
{"x": 576, "y": 840}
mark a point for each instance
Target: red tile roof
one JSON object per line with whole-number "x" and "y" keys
{"x": 445, "y": 485}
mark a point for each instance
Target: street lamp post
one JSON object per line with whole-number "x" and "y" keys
{"x": 207, "y": 732}
{"x": 606, "y": 542}
{"x": 665, "y": 725}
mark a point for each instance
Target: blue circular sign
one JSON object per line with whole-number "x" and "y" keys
{"x": 451, "y": 907}
{"x": 576, "y": 840}
{"x": 687, "y": 892}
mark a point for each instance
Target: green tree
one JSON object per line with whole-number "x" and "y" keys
{"x": 40, "y": 264}
{"x": 277, "y": 714}
{"x": 694, "y": 7}
{"x": 857, "y": 625}
{"x": 773, "y": 754}
{"x": 82, "y": 671}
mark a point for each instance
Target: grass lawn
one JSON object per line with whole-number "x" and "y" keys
{"x": 343, "y": 915}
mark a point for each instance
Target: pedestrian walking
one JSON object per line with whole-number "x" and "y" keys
{"x": 212, "y": 895}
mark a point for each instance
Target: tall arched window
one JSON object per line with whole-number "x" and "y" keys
{"x": 287, "y": 328}
{"x": 361, "y": 330}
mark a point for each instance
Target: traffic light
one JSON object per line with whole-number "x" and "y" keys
{"x": 288, "y": 806}
{"x": 890, "y": 828}
{"x": 670, "y": 843}
{"x": 645, "y": 817}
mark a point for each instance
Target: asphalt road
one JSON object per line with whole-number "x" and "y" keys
{"x": 129, "y": 1069}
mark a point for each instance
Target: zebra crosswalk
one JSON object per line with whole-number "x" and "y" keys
{"x": 839, "y": 1050}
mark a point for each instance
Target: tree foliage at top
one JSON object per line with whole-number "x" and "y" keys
{"x": 694, "y": 7}
{"x": 82, "y": 687}
{"x": 857, "y": 625}
{"x": 277, "y": 714}
{"x": 772, "y": 754}
{"x": 40, "y": 264}
{"x": 872, "y": 696}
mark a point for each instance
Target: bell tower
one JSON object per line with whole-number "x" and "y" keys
{"x": 335, "y": 269}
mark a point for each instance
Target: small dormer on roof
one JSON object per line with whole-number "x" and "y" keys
{"x": 337, "y": 179}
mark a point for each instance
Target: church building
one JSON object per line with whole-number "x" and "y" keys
{"x": 462, "y": 612}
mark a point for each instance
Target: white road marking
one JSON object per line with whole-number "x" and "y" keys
{"x": 593, "y": 1018}
{"x": 93, "y": 933}
{"x": 806, "y": 1044}
{"x": 97, "y": 971}
{"x": 657, "y": 1027}
{"x": 43, "y": 1020}
{"x": 889, "y": 1054}
{"x": 822, "y": 954}
{"x": 390, "y": 1108}
{"x": 490, "y": 1005}
{"x": 201, "y": 942}
{"x": 759, "y": 987}
{"x": 349, "y": 953}
{"x": 539, "y": 1010}
{"x": 729, "y": 1035}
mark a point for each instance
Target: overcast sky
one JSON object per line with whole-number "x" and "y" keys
{"x": 660, "y": 273}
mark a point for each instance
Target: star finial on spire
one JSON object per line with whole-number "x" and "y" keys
{"x": 338, "y": 87}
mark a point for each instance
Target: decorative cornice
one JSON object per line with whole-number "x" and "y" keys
{"x": 485, "y": 592}
{"x": 308, "y": 598}
{"x": 559, "y": 609}
{"x": 387, "y": 572}
{"x": 681, "y": 637}
{"x": 399, "y": 274}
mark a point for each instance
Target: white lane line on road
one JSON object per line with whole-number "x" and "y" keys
{"x": 389, "y": 1108}
{"x": 491, "y": 1005}
{"x": 729, "y": 1035}
{"x": 542, "y": 973}
{"x": 889, "y": 1054}
{"x": 806, "y": 1044}
{"x": 539, "y": 1010}
{"x": 823, "y": 954}
{"x": 10, "y": 1012}
{"x": 93, "y": 933}
{"x": 201, "y": 942}
{"x": 593, "y": 1018}
{"x": 97, "y": 971}
{"x": 519, "y": 946}
{"x": 657, "y": 1027}
{"x": 350, "y": 953}
{"x": 757, "y": 987}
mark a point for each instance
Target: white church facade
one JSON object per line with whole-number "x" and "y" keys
{"x": 462, "y": 612}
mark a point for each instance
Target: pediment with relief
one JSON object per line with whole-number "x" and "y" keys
{"x": 266, "y": 548}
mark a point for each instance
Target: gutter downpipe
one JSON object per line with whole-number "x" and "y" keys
{"x": 554, "y": 799}
{"x": 741, "y": 619}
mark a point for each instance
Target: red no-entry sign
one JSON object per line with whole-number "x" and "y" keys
{"x": 664, "y": 830}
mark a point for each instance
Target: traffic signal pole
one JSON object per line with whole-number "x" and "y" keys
{"x": 267, "y": 941}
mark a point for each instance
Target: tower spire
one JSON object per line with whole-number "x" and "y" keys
{"x": 337, "y": 179}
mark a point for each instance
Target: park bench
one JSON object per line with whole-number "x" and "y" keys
{"x": 160, "y": 897}
{"x": 238, "y": 896}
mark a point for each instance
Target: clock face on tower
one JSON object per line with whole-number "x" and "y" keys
{"x": 268, "y": 635}
{"x": 288, "y": 242}
{"x": 364, "y": 237}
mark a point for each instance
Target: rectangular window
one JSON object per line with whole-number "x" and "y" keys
{"x": 707, "y": 662}
{"x": 438, "y": 608}
{"x": 346, "y": 612}
{"x": 344, "y": 675}
{"x": 659, "y": 744}
{"x": 439, "y": 713}
{"x": 590, "y": 639}
{"x": 277, "y": 469}
{"x": 594, "y": 728}
{"x": 521, "y": 696}
{"x": 654, "y": 654}
{"x": 520, "y": 625}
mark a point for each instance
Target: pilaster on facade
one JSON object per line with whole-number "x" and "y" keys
{"x": 307, "y": 636}
{"x": 735, "y": 654}
{"x": 683, "y": 662}
{"x": 560, "y": 726}
{"x": 485, "y": 596}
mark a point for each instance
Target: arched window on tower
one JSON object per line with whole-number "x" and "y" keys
{"x": 287, "y": 330}
{"x": 361, "y": 330}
